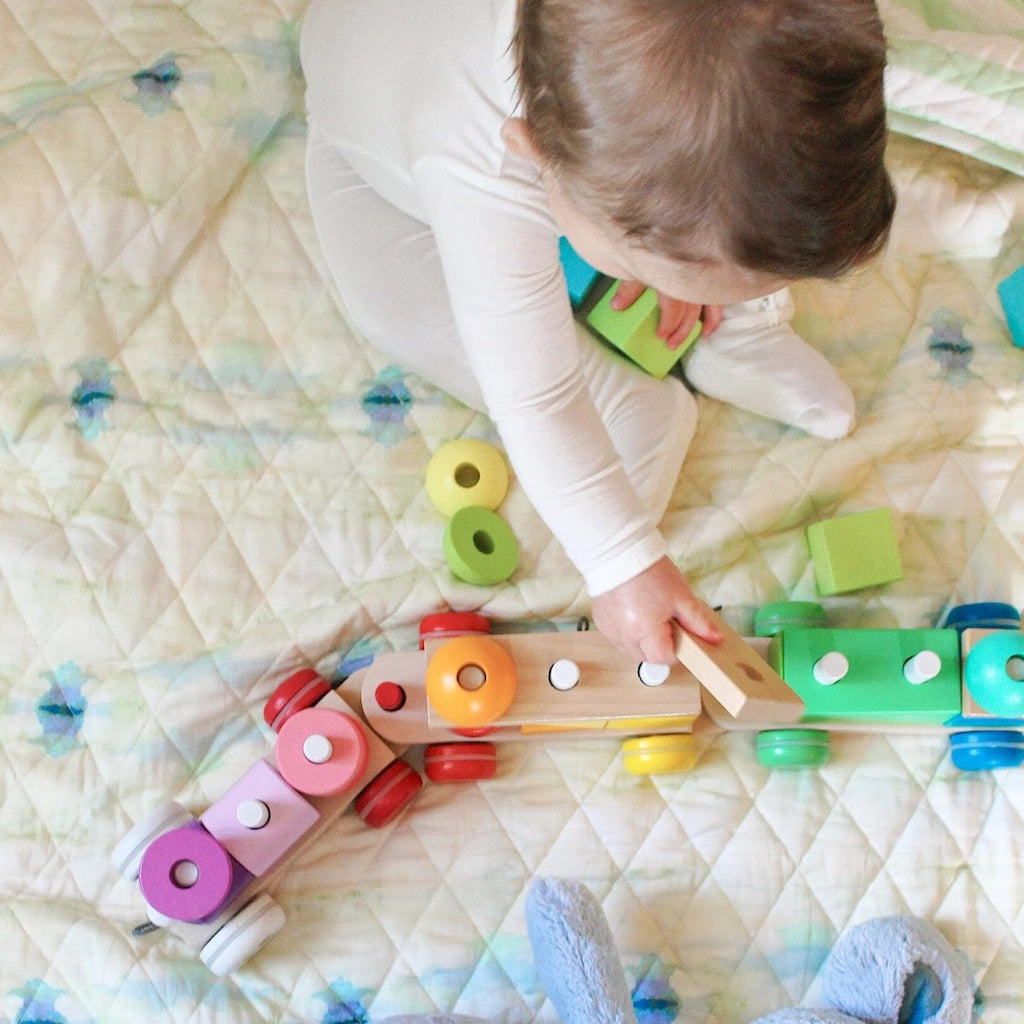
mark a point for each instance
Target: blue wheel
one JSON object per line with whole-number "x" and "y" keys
{"x": 980, "y": 750}
{"x": 983, "y": 615}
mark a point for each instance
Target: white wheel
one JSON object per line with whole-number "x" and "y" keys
{"x": 242, "y": 936}
{"x": 127, "y": 855}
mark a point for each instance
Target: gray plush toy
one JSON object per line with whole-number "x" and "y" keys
{"x": 891, "y": 970}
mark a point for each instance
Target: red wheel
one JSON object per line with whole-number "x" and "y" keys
{"x": 388, "y": 794}
{"x": 299, "y": 691}
{"x": 460, "y": 762}
{"x": 444, "y": 624}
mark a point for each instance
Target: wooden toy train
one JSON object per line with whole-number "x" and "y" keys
{"x": 465, "y": 689}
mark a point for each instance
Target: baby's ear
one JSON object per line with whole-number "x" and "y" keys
{"x": 518, "y": 137}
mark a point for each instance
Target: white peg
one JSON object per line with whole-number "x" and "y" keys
{"x": 653, "y": 674}
{"x": 921, "y": 667}
{"x": 317, "y": 749}
{"x": 185, "y": 874}
{"x": 830, "y": 668}
{"x": 252, "y": 814}
{"x": 564, "y": 674}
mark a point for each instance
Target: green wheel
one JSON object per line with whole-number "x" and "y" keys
{"x": 793, "y": 748}
{"x": 773, "y": 618}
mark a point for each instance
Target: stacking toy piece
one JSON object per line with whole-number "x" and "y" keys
{"x": 580, "y": 276}
{"x": 186, "y": 875}
{"x": 1011, "y": 295}
{"x": 471, "y": 680}
{"x": 480, "y": 547}
{"x": 321, "y": 752}
{"x": 259, "y": 819}
{"x": 854, "y": 551}
{"x": 466, "y": 472}
{"x": 634, "y": 332}
{"x": 466, "y": 480}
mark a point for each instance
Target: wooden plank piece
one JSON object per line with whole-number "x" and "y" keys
{"x": 738, "y": 677}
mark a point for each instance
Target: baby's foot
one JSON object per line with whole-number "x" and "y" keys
{"x": 755, "y": 362}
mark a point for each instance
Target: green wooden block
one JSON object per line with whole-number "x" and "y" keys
{"x": 634, "y": 332}
{"x": 854, "y": 551}
{"x": 875, "y": 686}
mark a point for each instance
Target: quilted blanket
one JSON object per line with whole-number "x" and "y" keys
{"x": 208, "y": 481}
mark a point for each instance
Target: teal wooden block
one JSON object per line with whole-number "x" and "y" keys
{"x": 854, "y": 551}
{"x": 634, "y": 332}
{"x": 1011, "y": 295}
{"x": 875, "y": 685}
{"x": 580, "y": 276}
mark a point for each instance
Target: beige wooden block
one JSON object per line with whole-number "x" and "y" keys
{"x": 609, "y": 686}
{"x": 738, "y": 677}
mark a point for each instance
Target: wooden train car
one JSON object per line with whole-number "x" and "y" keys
{"x": 465, "y": 689}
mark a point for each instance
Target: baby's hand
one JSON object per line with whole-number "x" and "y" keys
{"x": 638, "y": 615}
{"x": 676, "y": 317}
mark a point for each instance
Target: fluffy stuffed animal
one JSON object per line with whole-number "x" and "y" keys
{"x": 891, "y": 970}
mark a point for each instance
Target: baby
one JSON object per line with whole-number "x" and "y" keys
{"x": 714, "y": 151}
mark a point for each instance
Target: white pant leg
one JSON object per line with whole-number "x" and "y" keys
{"x": 755, "y": 362}
{"x": 386, "y": 266}
{"x": 651, "y": 421}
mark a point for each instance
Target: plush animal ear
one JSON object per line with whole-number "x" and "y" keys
{"x": 575, "y": 954}
{"x": 898, "y": 970}
{"x": 432, "y": 1018}
{"x": 802, "y": 1016}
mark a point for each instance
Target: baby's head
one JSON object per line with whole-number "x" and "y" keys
{"x": 747, "y": 134}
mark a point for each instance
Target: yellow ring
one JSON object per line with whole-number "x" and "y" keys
{"x": 471, "y": 680}
{"x": 466, "y": 472}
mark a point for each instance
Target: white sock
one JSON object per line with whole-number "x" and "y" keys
{"x": 755, "y": 362}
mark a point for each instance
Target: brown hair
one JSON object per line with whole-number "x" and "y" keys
{"x": 746, "y": 130}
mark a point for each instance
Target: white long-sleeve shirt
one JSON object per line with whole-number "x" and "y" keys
{"x": 413, "y": 93}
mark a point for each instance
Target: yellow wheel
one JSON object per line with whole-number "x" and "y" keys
{"x": 471, "y": 680}
{"x": 658, "y": 755}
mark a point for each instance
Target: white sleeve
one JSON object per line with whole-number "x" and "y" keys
{"x": 508, "y": 295}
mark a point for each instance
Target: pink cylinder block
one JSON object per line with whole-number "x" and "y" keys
{"x": 321, "y": 752}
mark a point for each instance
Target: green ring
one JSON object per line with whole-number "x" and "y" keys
{"x": 479, "y": 546}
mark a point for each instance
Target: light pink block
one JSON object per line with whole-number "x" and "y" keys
{"x": 259, "y": 849}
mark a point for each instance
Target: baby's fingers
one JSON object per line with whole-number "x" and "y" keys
{"x": 626, "y": 294}
{"x": 658, "y": 647}
{"x": 697, "y": 618}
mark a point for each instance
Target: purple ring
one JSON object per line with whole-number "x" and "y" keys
{"x": 156, "y": 874}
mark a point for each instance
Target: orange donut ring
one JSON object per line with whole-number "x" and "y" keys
{"x": 471, "y": 680}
